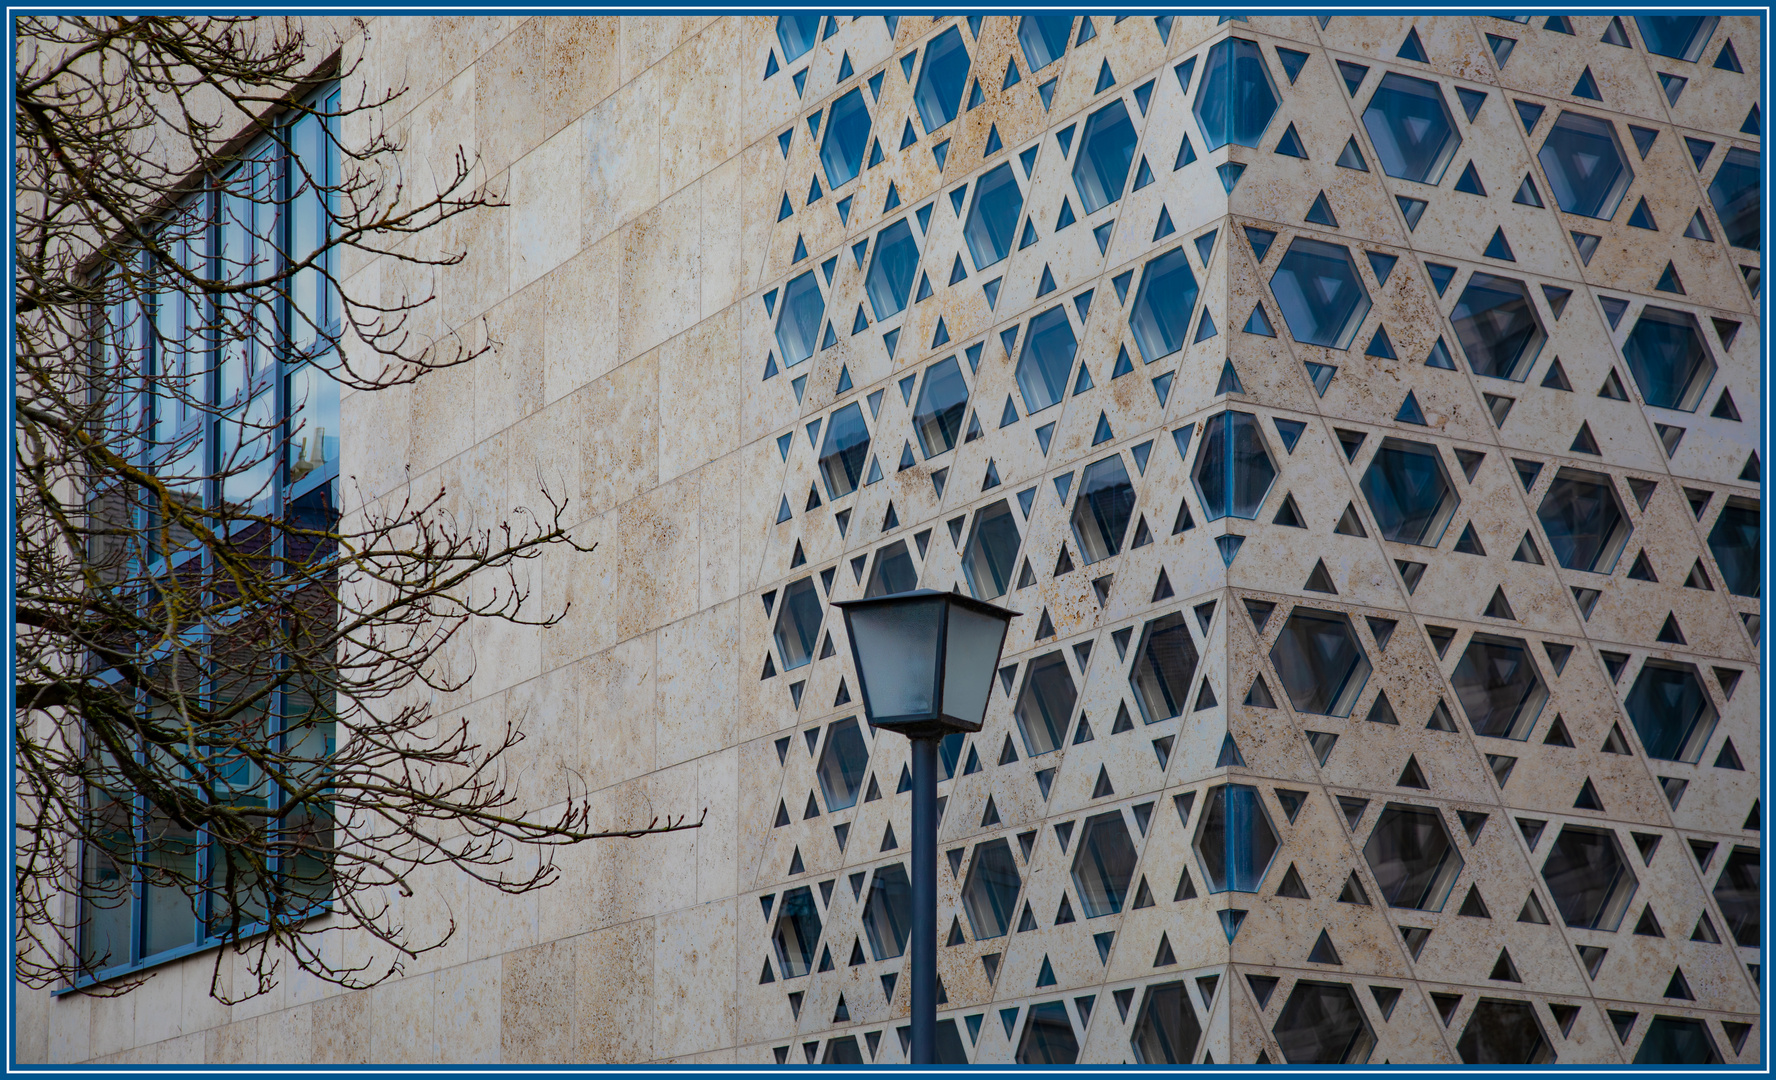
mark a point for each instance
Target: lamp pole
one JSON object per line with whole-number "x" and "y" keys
{"x": 924, "y": 663}
{"x": 924, "y": 939}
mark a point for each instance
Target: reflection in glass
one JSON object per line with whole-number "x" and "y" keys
{"x": 1409, "y": 492}
{"x": 1233, "y": 469}
{"x": 993, "y": 216}
{"x": 1234, "y": 840}
{"x": 1585, "y": 165}
{"x": 1586, "y": 525}
{"x": 1498, "y": 328}
{"x": 1322, "y": 299}
{"x": 1321, "y": 664}
{"x": 991, "y": 552}
{"x": 1046, "y": 703}
{"x": 943, "y": 401}
{"x": 1102, "y": 511}
{"x": 1106, "y": 151}
{"x": 1163, "y": 303}
{"x": 1165, "y": 666}
{"x": 1236, "y": 99}
{"x": 1046, "y": 360}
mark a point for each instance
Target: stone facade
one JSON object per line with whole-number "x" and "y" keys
{"x": 1373, "y": 479}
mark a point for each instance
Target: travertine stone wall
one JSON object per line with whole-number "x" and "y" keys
{"x": 664, "y": 192}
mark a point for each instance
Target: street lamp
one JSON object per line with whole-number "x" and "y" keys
{"x": 924, "y": 662}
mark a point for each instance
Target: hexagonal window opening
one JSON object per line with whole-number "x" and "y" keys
{"x": 1411, "y": 127}
{"x": 1106, "y": 150}
{"x": 1671, "y": 711}
{"x": 1735, "y": 195}
{"x": 798, "y": 623}
{"x": 1584, "y": 520}
{"x": 843, "y": 761}
{"x": 893, "y": 263}
{"x": 1104, "y": 865}
{"x": 1412, "y": 857}
{"x": 1504, "y": 1032}
{"x": 1166, "y": 1028}
{"x": 847, "y": 133}
{"x": 1739, "y": 893}
{"x": 893, "y": 571}
{"x": 1736, "y": 541}
{"x": 1681, "y": 37}
{"x": 1233, "y": 470}
{"x": 1498, "y": 686}
{"x": 1320, "y": 662}
{"x": 1235, "y": 841}
{"x": 1103, "y": 509}
{"x": 1163, "y": 302}
{"x": 1589, "y": 879}
{"x": 993, "y": 216}
{"x": 1165, "y": 667}
{"x": 844, "y": 451}
{"x": 990, "y": 894}
{"x": 1669, "y": 359}
{"x": 942, "y": 78}
{"x": 1497, "y": 325}
{"x": 991, "y": 551}
{"x": 1237, "y": 98}
{"x": 1046, "y": 360}
{"x": 1048, "y": 1036}
{"x": 942, "y": 404}
{"x": 1585, "y": 165}
{"x": 1045, "y": 706}
{"x": 797, "y": 934}
{"x": 1043, "y": 39}
{"x": 1322, "y": 298}
{"x": 1322, "y": 1023}
{"x": 1677, "y": 1040}
{"x": 798, "y": 323}
{"x": 888, "y": 913}
{"x": 1409, "y": 492}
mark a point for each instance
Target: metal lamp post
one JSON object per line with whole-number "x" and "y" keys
{"x": 925, "y": 663}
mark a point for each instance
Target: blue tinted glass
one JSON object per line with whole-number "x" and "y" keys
{"x": 1498, "y": 687}
{"x": 1322, "y": 298}
{"x": 1584, "y": 521}
{"x": 1102, "y": 511}
{"x": 799, "y": 324}
{"x": 1410, "y": 125}
{"x": 1163, "y": 303}
{"x": 1233, "y": 468}
{"x": 992, "y": 550}
{"x": 1320, "y": 662}
{"x": 1046, "y": 360}
{"x": 1735, "y": 543}
{"x": 1236, "y": 98}
{"x": 1674, "y": 1040}
{"x": 1235, "y": 840}
{"x": 847, "y": 133}
{"x": 1679, "y": 36}
{"x": 892, "y": 266}
{"x": 798, "y": 624}
{"x": 993, "y": 216}
{"x": 1409, "y": 493}
{"x": 1668, "y": 706}
{"x": 1496, "y": 323}
{"x": 846, "y": 447}
{"x": 1735, "y": 197}
{"x": 1585, "y": 165}
{"x": 1668, "y": 359}
{"x": 1105, "y": 153}
{"x": 939, "y": 93}
{"x": 942, "y": 401}
{"x": 1044, "y": 38}
{"x": 796, "y": 34}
